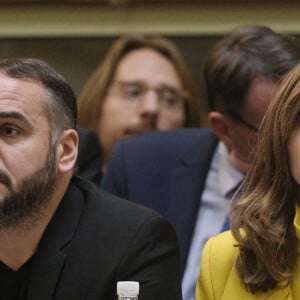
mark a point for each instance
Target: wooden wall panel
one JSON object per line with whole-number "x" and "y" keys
{"x": 145, "y": 2}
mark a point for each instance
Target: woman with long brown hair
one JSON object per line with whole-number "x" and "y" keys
{"x": 259, "y": 258}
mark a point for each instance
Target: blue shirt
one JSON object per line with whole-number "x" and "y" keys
{"x": 222, "y": 179}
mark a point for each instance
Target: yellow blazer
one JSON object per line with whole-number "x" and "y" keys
{"x": 218, "y": 279}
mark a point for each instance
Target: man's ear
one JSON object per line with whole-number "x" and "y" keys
{"x": 67, "y": 149}
{"x": 221, "y": 125}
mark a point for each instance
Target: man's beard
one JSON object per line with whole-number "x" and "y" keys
{"x": 25, "y": 205}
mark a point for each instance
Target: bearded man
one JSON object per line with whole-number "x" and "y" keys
{"x": 61, "y": 237}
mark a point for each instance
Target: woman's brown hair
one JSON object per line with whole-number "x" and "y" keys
{"x": 262, "y": 222}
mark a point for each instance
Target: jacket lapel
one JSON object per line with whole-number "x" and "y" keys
{"x": 187, "y": 184}
{"x": 50, "y": 256}
{"x": 45, "y": 276}
{"x": 185, "y": 197}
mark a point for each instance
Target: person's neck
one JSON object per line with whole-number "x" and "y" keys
{"x": 242, "y": 166}
{"x": 18, "y": 244}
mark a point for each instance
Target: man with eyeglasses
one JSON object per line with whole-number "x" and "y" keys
{"x": 135, "y": 93}
{"x": 189, "y": 175}
{"x": 142, "y": 85}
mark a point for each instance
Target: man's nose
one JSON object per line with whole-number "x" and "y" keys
{"x": 150, "y": 103}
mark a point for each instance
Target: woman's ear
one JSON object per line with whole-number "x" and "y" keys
{"x": 221, "y": 125}
{"x": 67, "y": 149}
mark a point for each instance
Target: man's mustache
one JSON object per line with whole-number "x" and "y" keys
{"x": 4, "y": 178}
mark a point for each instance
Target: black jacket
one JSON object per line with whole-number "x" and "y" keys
{"x": 89, "y": 161}
{"x": 94, "y": 240}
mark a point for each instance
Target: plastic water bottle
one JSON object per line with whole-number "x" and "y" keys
{"x": 128, "y": 290}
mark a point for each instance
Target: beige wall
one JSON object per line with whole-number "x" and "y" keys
{"x": 74, "y": 39}
{"x": 76, "y": 58}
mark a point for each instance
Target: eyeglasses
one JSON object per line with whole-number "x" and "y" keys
{"x": 169, "y": 97}
{"x": 240, "y": 120}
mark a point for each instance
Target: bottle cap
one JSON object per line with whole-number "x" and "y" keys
{"x": 128, "y": 288}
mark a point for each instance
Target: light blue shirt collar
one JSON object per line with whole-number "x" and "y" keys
{"x": 229, "y": 177}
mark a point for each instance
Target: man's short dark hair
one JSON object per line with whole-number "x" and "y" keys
{"x": 241, "y": 56}
{"x": 62, "y": 106}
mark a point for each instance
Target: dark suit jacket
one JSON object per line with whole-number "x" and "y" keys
{"x": 165, "y": 171}
{"x": 89, "y": 159}
{"x": 94, "y": 240}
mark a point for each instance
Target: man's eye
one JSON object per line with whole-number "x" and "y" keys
{"x": 10, "y": 131}
{"x": 133, "y": 91}
{"x": 169, "y": 98}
